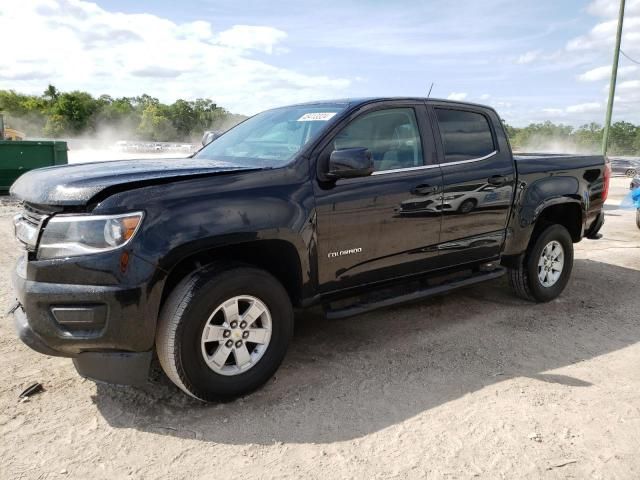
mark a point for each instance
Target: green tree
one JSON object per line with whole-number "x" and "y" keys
{"x": 183, "y": 117}
{"x": 636, "y": 143}
{"x": 60, "y": 114}
{"x": 115, "y": 112}
{"x": 155, "y": 125}
{"x": 511, "y": 132}
{"x": 76, "y": 108}
{"x": 622, "y": 138}
{"x": 55, "y": 126}
{"x": 51, "y": 93}
{"x": 14, "y": 103}
{"x": 589, "y": 137}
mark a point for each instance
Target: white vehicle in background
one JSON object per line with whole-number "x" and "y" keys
{"x": 465, "y": 198}
{"x": 459, "y": 198}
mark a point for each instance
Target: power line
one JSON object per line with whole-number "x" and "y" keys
{"x": 628, "y": 57}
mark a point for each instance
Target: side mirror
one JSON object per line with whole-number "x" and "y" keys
{"x": 209, "y": 137}
{"x": 350, "y": 163}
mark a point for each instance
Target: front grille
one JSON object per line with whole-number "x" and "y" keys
{"x": 417, "y": 205}
{"x": 34, "y": 215}
{"x": 28, "y": 223}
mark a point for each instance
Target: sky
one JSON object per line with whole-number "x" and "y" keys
{"x": 533, "y": 60}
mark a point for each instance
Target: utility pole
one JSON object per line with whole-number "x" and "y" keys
{"x": 614, "y": 77}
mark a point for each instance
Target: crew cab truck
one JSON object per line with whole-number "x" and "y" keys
{"x": 202, "y": 261}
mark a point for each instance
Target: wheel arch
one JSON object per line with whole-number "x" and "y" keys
{"x": 569, "y": 214}
{"x": 278, "y": 257}
{"x": 563, "y": 211}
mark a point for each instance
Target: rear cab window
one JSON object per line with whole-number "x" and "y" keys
{"x": 465, "y": 135}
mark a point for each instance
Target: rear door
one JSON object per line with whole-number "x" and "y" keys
{"x": 478, "y": 180}
{"x": 382, "y": 226}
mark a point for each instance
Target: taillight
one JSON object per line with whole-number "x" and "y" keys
{"x": 607, "y": 179}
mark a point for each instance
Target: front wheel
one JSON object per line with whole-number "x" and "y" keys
{"x": 544, "y": 270}
{"x": 467, "y": 206}
{"x": 224, "y": 331}
{"x": 638, "y": 217}
{"x": 631, "y": 172}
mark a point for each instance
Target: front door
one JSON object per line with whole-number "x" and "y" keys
{"x": 386, "y": 225}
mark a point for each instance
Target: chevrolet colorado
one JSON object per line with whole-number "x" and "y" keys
{"x": 348, "y": 205}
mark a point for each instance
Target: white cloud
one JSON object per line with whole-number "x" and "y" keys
{"x": 584, "y": 107}
{"x": 610, "y": 8}
{"x": 75, "y": 44}
{"x": 528, "y": 57}
{"x": 457, "y": 96}
{"x": 595, "y": 74}
{"x": 246, "y": 37}
{"x": 603, "y": 73}
{"x": 580, "y": 111}
{"x": 590, "y": 52}
{"x": 502, "y": 104}
{"x": 628, "y": 85}
{"x": 602, "y": 36}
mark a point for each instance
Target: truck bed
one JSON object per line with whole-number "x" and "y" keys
{"x": 537, "y": 162}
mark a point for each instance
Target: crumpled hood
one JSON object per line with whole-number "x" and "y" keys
{"x": 68, "y": 185}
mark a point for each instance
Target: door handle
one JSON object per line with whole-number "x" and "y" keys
{"x": 424, "y": 189}
{"x": 498, "y": 180}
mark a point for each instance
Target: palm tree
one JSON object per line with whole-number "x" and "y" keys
{"x": 51, "y": 93}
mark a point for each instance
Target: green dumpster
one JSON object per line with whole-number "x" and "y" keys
{"x": 17, "y": 157}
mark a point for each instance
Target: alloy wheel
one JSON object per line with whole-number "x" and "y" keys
{"x": 236, "y": 335}
{"x": 551, "y": 263}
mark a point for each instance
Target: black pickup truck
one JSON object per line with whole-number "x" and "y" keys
{"x": 346, "y": 205}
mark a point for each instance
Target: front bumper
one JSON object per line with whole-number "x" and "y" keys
{"x": 29, "y": 337}
{"x": 108, "y": 330}
{"x": 123, "y": 368}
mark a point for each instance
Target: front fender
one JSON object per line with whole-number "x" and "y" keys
{"x": 188, "y": 217}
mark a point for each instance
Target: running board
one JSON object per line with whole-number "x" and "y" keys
{"x": 363, "y": 307}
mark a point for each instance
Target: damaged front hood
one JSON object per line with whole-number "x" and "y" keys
{"x": 69, "y": 185}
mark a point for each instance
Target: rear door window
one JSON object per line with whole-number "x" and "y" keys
{"x": 465, "y": 135}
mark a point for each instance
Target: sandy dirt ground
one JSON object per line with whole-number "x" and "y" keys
{"x": 475, "y": 384}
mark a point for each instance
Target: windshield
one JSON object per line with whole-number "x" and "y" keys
{"x": 271, "y": 138}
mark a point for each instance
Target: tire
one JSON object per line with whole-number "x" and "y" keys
{"x": 467, "y": 206}
{"x": 638, "y": 217}
{"x": 631, "y": 172}
{"x": 525, "y": 277}
{"x": 189, "y": 360}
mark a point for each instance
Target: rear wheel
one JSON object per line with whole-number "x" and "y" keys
{"x": 544, "y": 270}
{"x": 638, "y": 217}
{"x": 224, "y": 331}
{"x": 631, "y": 172}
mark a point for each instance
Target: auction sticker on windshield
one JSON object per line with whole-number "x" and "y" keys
{"x": 316, "y": 116}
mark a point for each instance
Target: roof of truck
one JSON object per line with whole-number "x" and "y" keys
{"x": 362, "y": 100}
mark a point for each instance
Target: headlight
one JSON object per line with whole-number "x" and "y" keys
{"x": 452, "y": 197}
{"x": 26, "y": 232}
{"x": 71, "y": 235}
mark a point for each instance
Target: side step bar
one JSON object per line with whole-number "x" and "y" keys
{"x": 363, "y": 307}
